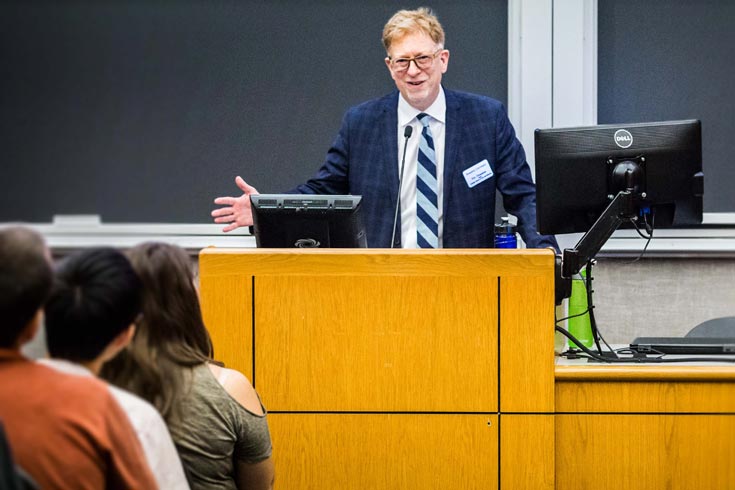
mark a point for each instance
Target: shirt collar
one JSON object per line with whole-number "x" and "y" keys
{"x": 66, "y": 367}
{"x": 407, "y": 113}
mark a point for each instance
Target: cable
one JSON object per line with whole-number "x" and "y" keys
{"x": 649, "y": 237}
{"x": 615, "y": 353}
{"x": 589, "y": 354}
{"x": 572, "y": 316}
{"x": 638, "y": 357}
{"x": 591, "y": 306}
{"x": 596, "y": 334}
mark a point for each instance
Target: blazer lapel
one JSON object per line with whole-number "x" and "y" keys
{"x": 389, "y": 147}
{"x": 451, "y": 147}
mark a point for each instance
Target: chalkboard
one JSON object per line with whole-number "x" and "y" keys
{"x": 143, "y": 111}
{"x": 673, "y": 59}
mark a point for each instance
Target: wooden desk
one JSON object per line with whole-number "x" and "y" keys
{"x": 401, "y": 369}
{"x": 645, "y": 427}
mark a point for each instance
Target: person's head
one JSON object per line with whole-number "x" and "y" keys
{"x": 416, "y": 58}
{"x": 25, "y": 280}
{"x": 172, "y": 319}
{"x": 171, "y": 334}
{"x": 94, "y": 302}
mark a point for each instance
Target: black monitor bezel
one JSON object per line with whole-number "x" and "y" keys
{"x": 308, "y": 221}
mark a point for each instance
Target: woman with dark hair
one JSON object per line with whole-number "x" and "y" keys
{"x": 214, "y": 415}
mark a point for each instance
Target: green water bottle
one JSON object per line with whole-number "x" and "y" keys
{"x": 579, "y": 326}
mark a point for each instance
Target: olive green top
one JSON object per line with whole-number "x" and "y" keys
{"x": 213, "y": 430}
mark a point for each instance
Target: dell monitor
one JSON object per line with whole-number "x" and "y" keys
{"x": 594, "y": 179}
{"x": 308, "y": 221}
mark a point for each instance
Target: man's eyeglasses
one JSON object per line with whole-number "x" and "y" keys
{"x": 423, "y": 61}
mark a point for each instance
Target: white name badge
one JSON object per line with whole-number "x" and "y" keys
{"x": 477, "y": 173}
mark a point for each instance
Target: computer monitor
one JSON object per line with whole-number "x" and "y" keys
{"x": 596, "y": 178}
{"x": 308, "y": 221}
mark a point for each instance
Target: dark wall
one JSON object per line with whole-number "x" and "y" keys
{"x": 144, "y": 111}
{"x": 673, "y": 59}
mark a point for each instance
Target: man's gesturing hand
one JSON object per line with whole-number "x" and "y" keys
{"x": 235, "y": 210}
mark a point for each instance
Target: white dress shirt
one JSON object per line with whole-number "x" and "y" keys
{"x": 437, "y": 124}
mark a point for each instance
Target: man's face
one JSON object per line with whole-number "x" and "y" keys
{"x": 418, "y": 85}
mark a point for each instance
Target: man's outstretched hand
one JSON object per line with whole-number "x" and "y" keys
{"x": 235, "y": 210}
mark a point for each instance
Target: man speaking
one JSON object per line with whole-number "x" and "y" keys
{"x": 459, "y": 148}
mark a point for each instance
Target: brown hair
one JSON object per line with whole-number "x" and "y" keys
{"x": 25, "y": 280}
{"x": 410, "y": 21}
{"x": 171, "y": 336}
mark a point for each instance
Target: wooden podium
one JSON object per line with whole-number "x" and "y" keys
{"x": 393, "y": 369}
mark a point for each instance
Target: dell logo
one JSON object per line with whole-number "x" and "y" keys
{"x": 623, "y": 138}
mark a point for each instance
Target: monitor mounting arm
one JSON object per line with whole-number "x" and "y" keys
{"x": 621, "y": 209}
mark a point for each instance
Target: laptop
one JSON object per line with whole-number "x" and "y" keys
{"x": 684, "y": 345}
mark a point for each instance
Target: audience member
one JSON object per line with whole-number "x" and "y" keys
{"x": 90, "y": 317}
{"x": 214, "y": 414}
{"x": 65, "y": 431}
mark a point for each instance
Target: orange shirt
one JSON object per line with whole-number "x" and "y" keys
{"x": 67, "y": 431}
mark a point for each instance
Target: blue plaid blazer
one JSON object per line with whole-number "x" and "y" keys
{"x": 363, "y": 160}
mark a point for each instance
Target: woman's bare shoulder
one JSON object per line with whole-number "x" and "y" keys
{"x": 238, "y": 386}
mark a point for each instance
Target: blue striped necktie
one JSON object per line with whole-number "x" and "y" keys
{"x": 427, "y": 209}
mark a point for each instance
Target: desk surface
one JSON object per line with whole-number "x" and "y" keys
{"x": 583, "y": 370}
{"x": 645, "y": 372}
{"x": 644, "y": 388}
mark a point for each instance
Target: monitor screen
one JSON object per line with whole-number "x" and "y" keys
{"x": 580, "y": 170}
{"x": 308, "y": 221}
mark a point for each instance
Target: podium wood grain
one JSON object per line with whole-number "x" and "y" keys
{"x": 384, "y": 368}
{"x": 353, "y": 344}
{"x": 527, "y": 371}
{"x": 385, "y": 451}
{"x": 227, "y": 311}
{"x": 527, "y": 451}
